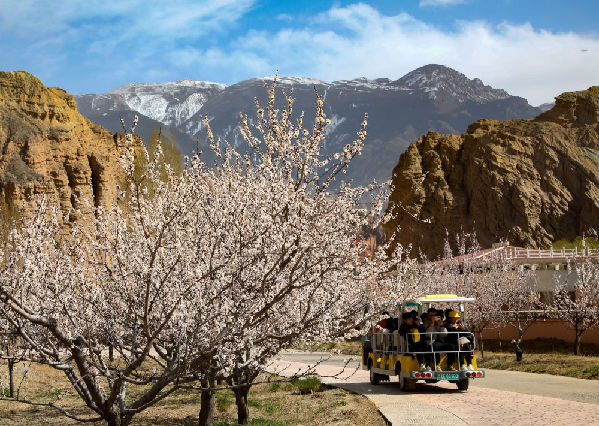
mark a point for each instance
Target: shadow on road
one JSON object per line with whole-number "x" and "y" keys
{"x": 392, "y": 388}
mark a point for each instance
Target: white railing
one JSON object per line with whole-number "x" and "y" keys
{"x": 525, "y": 253}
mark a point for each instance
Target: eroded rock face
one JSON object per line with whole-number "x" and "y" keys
{"x": 530, "y": 182}
{"x": 48, "y": 148}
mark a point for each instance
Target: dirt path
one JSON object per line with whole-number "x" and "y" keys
{"x": 503, "y": 397}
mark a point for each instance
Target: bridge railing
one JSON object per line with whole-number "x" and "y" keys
{"x": 525, "y": 253}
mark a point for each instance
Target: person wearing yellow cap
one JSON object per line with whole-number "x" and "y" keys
{"x": 457, "y": 336}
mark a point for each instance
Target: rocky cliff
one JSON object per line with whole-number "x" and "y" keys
{"x": 530, "y": 182}
{"x": 48, "y": 148}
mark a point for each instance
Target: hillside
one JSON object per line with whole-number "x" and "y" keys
{"x": 49, "y": 149}
{"x": 530, "y": 182}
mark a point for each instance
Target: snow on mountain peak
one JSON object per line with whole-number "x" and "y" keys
{"x": 292, "y": 80}
{"x": 172, "y": 102}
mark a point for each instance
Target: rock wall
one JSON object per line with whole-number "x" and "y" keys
{"x": 48, "y": 148}
{"x": 530, "y": 182}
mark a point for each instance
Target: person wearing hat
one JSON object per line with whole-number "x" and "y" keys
{"x": 410, "y": 332}
{"x": 458, "y": 336}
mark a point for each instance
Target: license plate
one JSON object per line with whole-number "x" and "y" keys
{"x": 448, "y": 376}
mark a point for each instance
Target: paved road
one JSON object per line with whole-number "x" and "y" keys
{"x": 502, "y": 397}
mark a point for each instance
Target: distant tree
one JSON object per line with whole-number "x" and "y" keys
{"x": 522, "y": 304}
{"x": 581, "y": 243}
{"x": 491, "y": 281}
{"x": 578, "y": 302}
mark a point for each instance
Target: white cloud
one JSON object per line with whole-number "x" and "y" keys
{"x": 284, "y": 17}
{"x": 439, "y": 2}
{"x": 154, "y": 40}
{"x": 357, "y": 40}
{"x": 123, "y": 18}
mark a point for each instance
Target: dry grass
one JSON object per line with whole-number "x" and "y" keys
{"x": 270, "y": 404}
{"x": 556, "y": 363}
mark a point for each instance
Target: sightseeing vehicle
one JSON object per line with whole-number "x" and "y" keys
{"x": 386, "y": 353}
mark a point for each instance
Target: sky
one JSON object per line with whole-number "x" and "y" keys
{"x": 536, "y": 49}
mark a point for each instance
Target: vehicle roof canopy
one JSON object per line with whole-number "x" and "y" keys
{"x": 441, "y": 298}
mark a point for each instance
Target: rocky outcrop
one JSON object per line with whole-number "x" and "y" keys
{"x": 529, "y": 182}
{"x": 48, "y": 148}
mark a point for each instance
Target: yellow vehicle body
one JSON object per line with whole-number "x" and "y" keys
{"x": 408, "y": 363}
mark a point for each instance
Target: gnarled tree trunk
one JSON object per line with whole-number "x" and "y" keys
{"x": 206, "y": 416}
{"x": 241, "y": 399}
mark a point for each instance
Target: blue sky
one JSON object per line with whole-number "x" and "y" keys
{"x": 532, "y": 48}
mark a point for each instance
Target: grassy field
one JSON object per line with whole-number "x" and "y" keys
{"x": 302, "y": 402}
{"x": 556, "y": 363}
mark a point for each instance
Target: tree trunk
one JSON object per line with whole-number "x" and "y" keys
{"x": 241, "y": 399}
{"x": 517, "y": 348}
{"x": 482, "y": 344}
{"x": 499, "y": 337}
{"x": 206, "y": 416}
{"x": 577, "y": 340}
{"x": 114, "y": 417}
{"x": 11, "y": 378}
{"x": 114, "y": 421}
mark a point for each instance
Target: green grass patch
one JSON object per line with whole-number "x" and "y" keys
{"x": 308, "y": 385}
{"x": 224, "y": 399}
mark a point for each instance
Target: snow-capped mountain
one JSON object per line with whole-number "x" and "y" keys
{"x": 171, "y": 103}
{"x": 430, "y": 98}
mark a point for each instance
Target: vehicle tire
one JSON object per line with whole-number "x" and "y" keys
{"x": 463, "y": 384}
{"x": 375, "y": 378}
{"x": 406, "y": 384}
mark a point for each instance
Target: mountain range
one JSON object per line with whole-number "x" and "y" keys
{"x": 430, "y": 98}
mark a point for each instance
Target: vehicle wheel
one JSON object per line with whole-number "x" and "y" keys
{"x": 375, "y": 378}
{"x": 406, "y": 384}
{"x": 463, "y": 384}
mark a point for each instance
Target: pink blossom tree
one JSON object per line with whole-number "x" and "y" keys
{"x": 495, "y": 282}
{"x": 522, "y": 305}
{"x": 203, "y": 275}
{"x": 302, "y": 273}
{"x": 578, "y": 302}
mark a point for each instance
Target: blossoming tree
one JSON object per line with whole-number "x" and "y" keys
{"x": 578, "y": 302}
{"x": 202, "y": 275}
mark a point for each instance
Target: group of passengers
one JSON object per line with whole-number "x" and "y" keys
{"x": 441, "y": 336}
